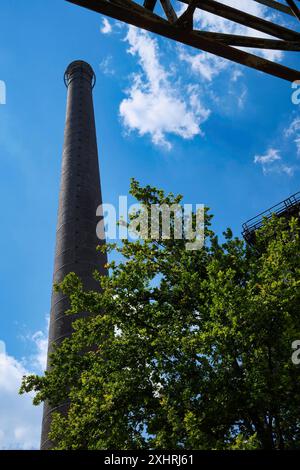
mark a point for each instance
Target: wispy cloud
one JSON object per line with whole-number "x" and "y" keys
{"x": 204, "y": 64}
{"x": 106, "y": 66}
{"x": 293, "y": 132}
{"x": 39, "y": 340}
{"x": 272, "y": 162}
{"x": 283, "y": 154}
{"x": 271, "y": 156}
{"x": 106, "y": 27}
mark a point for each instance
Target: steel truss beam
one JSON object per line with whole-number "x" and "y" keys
{"x": 294, "y": 8}
{"x": 221, "y": 44}
{"x": 276, "y": 5}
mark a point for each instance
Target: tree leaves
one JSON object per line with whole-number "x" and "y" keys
{"x": 185, "y": 349}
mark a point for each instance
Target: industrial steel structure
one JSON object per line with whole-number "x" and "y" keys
{"x": 288, "y": 208}
{"x": 160, "y": 17}
{"x": 80, "y": 195}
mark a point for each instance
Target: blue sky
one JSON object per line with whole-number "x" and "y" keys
{"x": 170, "y": 116}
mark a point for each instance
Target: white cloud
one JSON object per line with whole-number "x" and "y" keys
{"x": 106, "y": 66}
{"x": 204, "y": 64}
{"x": 271, "y": 156}
{"x": 289, "y": 170}
{"x": 106, "y": 27}
{"x": 293, "y": 131}
{"x": 159, "y": 104}
{"x": 38, "y": 361}
{"x": 242, "y": 98}
{"x": 20, "y": 421}
{"x": 272, "y": 162}
{"x": 280, "y": 158}
{"x": 155, "y": 105}
{"x": 237, "y": 73}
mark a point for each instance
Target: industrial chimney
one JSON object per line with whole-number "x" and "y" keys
{"x": 80, "y": 195}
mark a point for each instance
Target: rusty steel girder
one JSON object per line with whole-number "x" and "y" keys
{"x": 222, "y": 44}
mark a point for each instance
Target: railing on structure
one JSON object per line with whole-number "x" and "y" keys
{"x": 286, "y": 207}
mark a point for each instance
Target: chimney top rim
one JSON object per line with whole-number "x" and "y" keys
{"x": 83, "y": 68}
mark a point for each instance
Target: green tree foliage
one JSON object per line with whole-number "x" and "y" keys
{"x": 185, "y": 349}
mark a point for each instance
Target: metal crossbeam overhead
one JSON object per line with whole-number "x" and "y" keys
{"x": 165, "y": 22}
{"x": 276, "y": 5}
{"x": 245, "y": 19}
{"x": 294, "y": 8}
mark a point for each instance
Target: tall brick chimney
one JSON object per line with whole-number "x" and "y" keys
{"x": 80, "y": 195}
